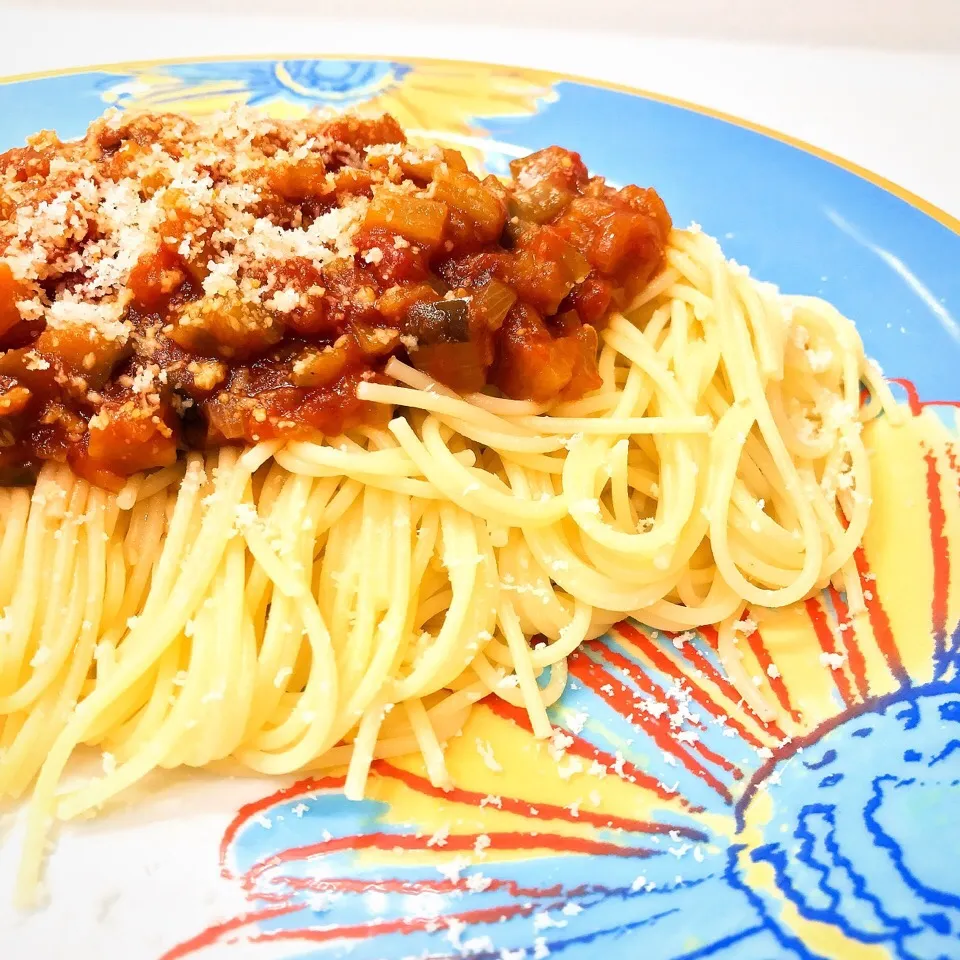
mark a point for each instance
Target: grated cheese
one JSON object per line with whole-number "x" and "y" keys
{"x": 486, "y": 754}
{"x": 543, "y": 921}
{"x": 833, "y": 660}
{"x": 451, "y": 871}
{"x": 477, "y": 882}
{"x": 577, "y": 721}
{"x": 439, "y": 838}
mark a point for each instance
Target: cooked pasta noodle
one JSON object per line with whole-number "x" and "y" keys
{"x": 325, "y": 603}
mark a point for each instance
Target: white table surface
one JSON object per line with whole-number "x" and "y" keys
{"x": 890, "y": 107}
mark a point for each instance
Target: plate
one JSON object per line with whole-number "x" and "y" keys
{"x": 676, "y": 825}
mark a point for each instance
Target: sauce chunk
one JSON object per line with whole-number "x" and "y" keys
{"x": 167, "y": 283}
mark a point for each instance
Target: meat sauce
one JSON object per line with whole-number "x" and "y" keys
{"x": 168, "y": 285}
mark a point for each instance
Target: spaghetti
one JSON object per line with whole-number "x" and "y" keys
{"x": 300, "y": 604}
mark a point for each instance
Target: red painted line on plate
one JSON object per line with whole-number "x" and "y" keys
{"x": 730, "y": 691}
{"x": 396, "y": 842}
{"x": 603, "y": 683}
{"x": 668, "y": 666}
{"x": 777, "y": 685}
{"x": 632, "y": 670}
{"x": 539, "y": 811}
{"x": 375, "y": 928}
{"x": 858, "y": 665}
{"x": 583, "y": 748}
{"x": 215, "y": 933}
{"x": 249, "y": 810}
{"x": 414, "y": 887}
{"x": 940, "y": 550}
{"x": 827, "y": 643}
{"x": 913, "y": 398}
{"x": 914, "y": 402}
{"x": 953, "y": 461}
{"x": 880, "y": 622}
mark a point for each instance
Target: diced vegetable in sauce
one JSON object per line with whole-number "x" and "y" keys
{"x": 167, "y": 283}
{"x": 418, "y": 220}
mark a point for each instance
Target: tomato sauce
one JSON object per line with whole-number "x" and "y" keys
{"x": 168, "y": 284}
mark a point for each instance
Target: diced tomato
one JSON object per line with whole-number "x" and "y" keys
{"x": 127, "y": 437}
{"x": 497, "y": 187}
{"x": 545, "y": 268}
{"x": 585, "y": 377}
{"x": 611, "y": 235}
{"x": 155, "y": 278}
{"x": 360, "y": 132}
{"x": 298, "y": 179}
{"x": 533, "y": 365}
{"x": 184, "y": 232}
{"x": 646, "y": 201}
{"x": 554, "y": 164}
{"x": 541, "y": 282}
{"x": 591, "y": 299}
{"x": 94, "y": 471}
{"x": 390, "y": 257}
{"x": 297, "y": 274}
{"x": 529, "y": 365}
{"x": 11, "y": 291}
{"x": 331, "y": 410}
{"x": 460, "y": 366}
{"x": 21, "y": 366}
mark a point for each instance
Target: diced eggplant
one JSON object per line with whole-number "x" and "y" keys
{"x": 444, "y": 321}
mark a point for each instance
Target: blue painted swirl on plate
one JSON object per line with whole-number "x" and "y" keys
{"x": 860, "y": 821}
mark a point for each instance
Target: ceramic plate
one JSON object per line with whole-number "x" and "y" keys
{"x": 677, "y": 825}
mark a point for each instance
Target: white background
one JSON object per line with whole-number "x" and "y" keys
{"x": 876, "y": 81}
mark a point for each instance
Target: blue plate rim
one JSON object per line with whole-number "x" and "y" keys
{"x": 914, "y": 200}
